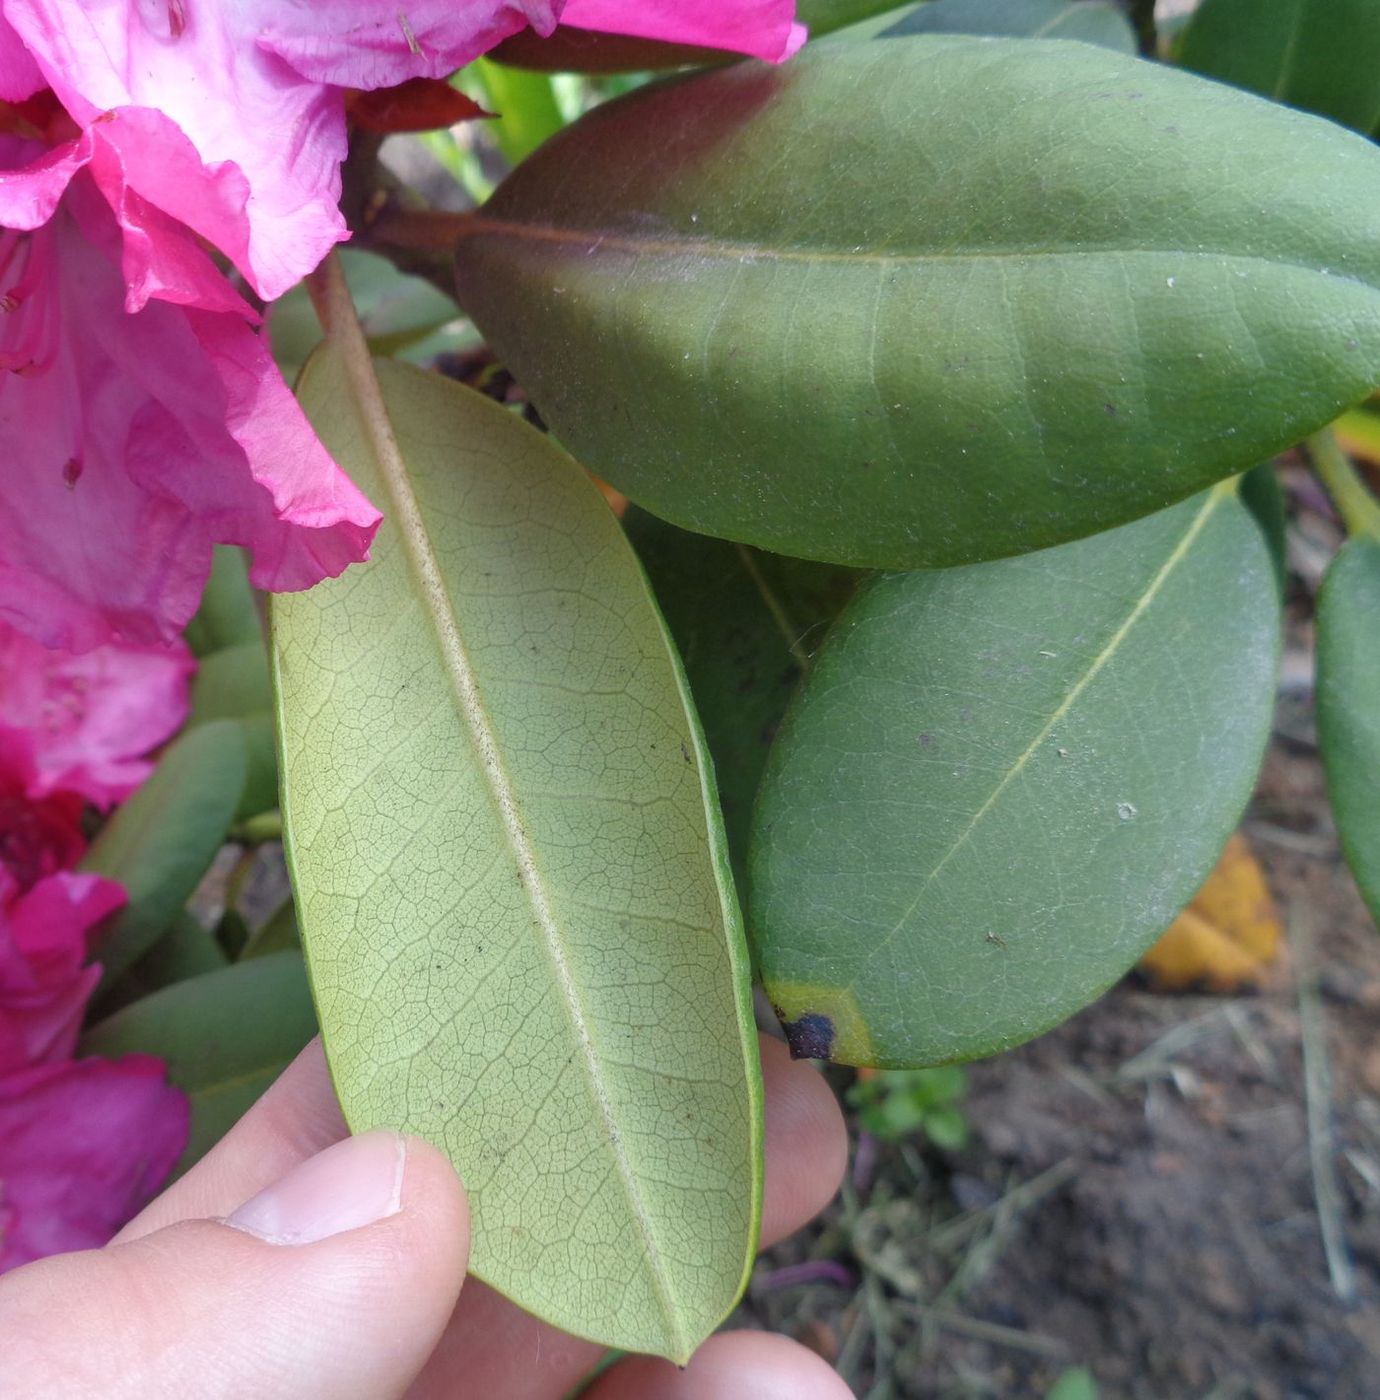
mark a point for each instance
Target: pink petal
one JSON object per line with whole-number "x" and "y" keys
{"x": 232, "y": 119}
{"x": 137, "y": 441}
{"x": 250, "y": 124}
{"x": 379, "y": 43}
{"x": 44, "y": 980}
{"x": 764, "y": 28}
{"x": 84, "y": 1146}
{"x": 19, "y": 75}
{"x": 90, "y": 718}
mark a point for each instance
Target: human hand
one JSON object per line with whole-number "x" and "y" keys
{"x": 294, "y": 1261}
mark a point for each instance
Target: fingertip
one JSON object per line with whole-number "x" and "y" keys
{"x": 806, "y": 1142}
{"x": 729, "y": 1366}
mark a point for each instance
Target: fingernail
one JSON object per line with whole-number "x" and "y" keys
{"x": 353, "y": 1183}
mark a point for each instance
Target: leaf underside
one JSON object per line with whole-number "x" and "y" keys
{"x": 510, "y": 877}
{"x": 1002, "y": 782}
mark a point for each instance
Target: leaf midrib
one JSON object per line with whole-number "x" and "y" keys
{"x": 460, "y": 672}
{"x": 1142, "y": 605}
{"x": 594, "y": 240}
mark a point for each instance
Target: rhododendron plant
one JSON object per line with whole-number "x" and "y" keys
{"x": 920, "y": 672}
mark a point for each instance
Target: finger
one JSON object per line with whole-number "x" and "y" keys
{"x": 497, "y": 1349}
{"x": 729, "y": 1366}
{"x": 806, "y": 1143}
{"x": 335, "y": 1281}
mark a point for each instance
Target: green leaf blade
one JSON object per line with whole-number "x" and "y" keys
{"x": 225, "y": 1036}
{"x": 745, "y": 624}
{"x": 509, "y": 882}
{"x": 161, "y": 842}
{"x": 1348, "y": 700}
{"x": 1321, "y": 55}
{"x": 932, "y": 334}
{"x": 1002, "y": 782}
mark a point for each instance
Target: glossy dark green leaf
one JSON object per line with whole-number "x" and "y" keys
{"x": 1321, "y": 55}
{"x": 1348, "y": 698}
{"x": 226, "y": 1036}
{"x": 227, "y": 616}
{"x": 509, "y": 869}
{"x": 1002, "y": 782}
{"x": 1092, "y": 21}
{"x": 745, "y": 623}
{"x": 906, "y": 303}
{"x": 161, "y": 842}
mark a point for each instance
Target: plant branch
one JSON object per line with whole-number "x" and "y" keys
{"x": 1358, "y": 508}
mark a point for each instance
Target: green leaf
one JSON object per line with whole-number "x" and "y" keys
{"x": 234, "y": 683}
{"x": 510, "y": 871}
{"x": 794, "y": 306}
{"x": 824, "y": 16}
{"x": 1321, "y": 55}
{"x": 1077, "y": 1383}
{"x": 402, "y": 315}
{"x": 161, "y": 842}
{"x": 1092, "y": 21}
{"x": 745, "y": 624}
{"x": 1348, "y": 700}
{"x": 1260, "y": 490}
{"x": 1002, "y": 782}
{"x": 227, "y": 616}
{"x": 276, "y": 935}
{"x": 183, "y": 950}
{"x": 226, "y": 1036}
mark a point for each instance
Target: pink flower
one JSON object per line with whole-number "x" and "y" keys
{"x": 39, "y": 835}
{"x": 140, "y": 428}
{"x": 83, "y": 1147}
{"x": 86, "y": 721}
{"x": 45, "y": 981}
{"x": 255, "y": 89}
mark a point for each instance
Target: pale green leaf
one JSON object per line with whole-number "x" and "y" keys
{"x": 226, "y": 1036}
{"x": 509, "y": 869}
{"x": 1002, "y": 782}
{"x": 1322, "y": 55}
{"x": 1349, "y": 705}
{"x": 161, "y": 842}
{"x": 927, "y": 300}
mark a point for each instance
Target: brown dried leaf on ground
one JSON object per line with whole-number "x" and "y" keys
{"x": 1226, "y": 937}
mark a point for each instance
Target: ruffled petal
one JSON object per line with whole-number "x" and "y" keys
{"x": 89, "y": 719}
{"x": 138, "y": 442}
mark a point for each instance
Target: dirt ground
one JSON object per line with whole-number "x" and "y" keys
{"x": 1147, "y": 1189}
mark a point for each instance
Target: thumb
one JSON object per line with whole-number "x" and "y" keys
{"x": 336, "y": 1281}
